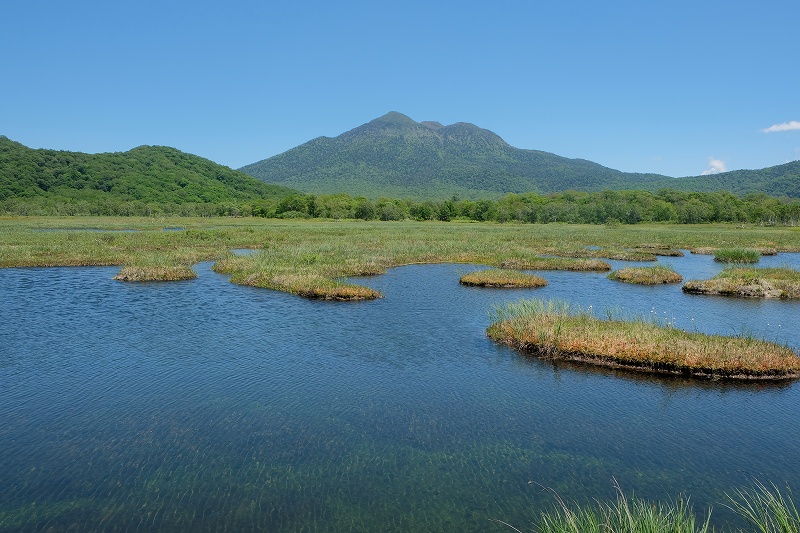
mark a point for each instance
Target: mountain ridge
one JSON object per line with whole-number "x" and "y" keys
{"x": 393, "y": 155}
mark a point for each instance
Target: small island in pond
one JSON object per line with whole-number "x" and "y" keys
{"x": 553, "y": 330}
{"x": 503, "y": 279}
{"x": 749, "y": 283}
{"x": 656, "y": 275}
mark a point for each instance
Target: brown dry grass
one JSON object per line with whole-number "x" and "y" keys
{"x": 551, "y": 330}
{"x": 750, "y": 283}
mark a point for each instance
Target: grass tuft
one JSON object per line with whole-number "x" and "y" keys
{"x": 501, "y": 278}
{"x": 156, "y": 273}
{"x": 628, "y": 515}
{"x": 766, "y": 508}
{"x": 737, "y": 255}
{"x": 656, "y": 275}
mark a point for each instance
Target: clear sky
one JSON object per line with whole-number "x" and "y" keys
{"x": 673, "y": 87}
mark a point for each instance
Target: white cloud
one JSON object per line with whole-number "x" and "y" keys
{"x": 786, "y": 126}
{"x": 714, "y": 166}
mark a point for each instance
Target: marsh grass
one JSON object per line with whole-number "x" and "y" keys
{"x": 737, "y": 255}
{"x": 749, "y": 282}
{"x": 618, "y": 254}
{"x": 155, "y": 267}
{"x": 656, "y": 275}
{"x": 767, "y": 509}
{"x": 556, "y": 330}
{"x": 314, "y": 257}
{"x": 556, "y": 263}
{"x": 764, "y": 507}
{"x": 156, "y": 273}
{"x": 628, "y": 515}
{"x": 659, "y": 250}
{"x": 502, "y": 278}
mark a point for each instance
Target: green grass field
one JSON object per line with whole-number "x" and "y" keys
{"x": 311, "y": 258}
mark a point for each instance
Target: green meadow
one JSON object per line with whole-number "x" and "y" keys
{"x": 312, "y": 257}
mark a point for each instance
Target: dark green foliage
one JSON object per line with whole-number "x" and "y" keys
{"x": 142, "y": 179}
{"x": 396, "y": 156}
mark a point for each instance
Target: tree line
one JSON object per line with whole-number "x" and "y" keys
{"x": 606, "y": 207}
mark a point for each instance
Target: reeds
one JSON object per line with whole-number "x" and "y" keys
{"x": 749, "y": 282}
{"x": 623, "y": 515}
{"x": 656, "y": 275}
{"x": 556, "y": 330}
{"x": 766, "y": 508}
{"x": 737, "y": 255}
{"x": 503, "y": 279}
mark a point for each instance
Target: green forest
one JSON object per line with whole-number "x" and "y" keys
{"x": 607, "y": 207}
{"x": 140, "y": 181}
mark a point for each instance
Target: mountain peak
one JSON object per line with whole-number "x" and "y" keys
{"x": 395, "y": 118}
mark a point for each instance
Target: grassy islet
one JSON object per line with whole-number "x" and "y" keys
{"x": 502, "y": 278}
{"x": 749, "y": 282}
{"x": 555, "y": 330}
{"x": 656, "y": 275}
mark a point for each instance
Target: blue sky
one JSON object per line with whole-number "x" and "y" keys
{"x": 677, "y": 88}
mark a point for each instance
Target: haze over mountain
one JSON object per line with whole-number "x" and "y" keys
{"x": 157, "y": 174}
{"x": 396, "y": 156}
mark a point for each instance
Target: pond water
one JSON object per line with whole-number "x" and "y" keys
{"x": 203, "y": 405}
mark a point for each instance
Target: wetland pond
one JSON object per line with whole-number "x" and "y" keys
{"x": 204, "y": 405}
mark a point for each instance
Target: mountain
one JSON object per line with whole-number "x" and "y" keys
{"x": 156, "y": 174}
{"x": 397, "y": 157}
{"x": 780, "y": 180}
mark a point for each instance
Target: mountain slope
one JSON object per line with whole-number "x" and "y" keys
{"x": 395, "y": 156}
{"x": 148, "y": 173}
{"x": 780, "y": 180}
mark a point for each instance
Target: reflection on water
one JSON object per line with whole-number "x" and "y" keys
{"x": 203, "y": 405}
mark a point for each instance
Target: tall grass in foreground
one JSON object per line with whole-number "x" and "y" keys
{"x": 623, "y": 515}
{"x": 767, "y": 509}
{"x": 763, "y": 507}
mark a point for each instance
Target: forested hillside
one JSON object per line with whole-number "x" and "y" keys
{"x": 780, "y": 180}
{"x": 133, "y": 180}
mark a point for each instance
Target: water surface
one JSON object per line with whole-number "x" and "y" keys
{"x": 203, "y": 405}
